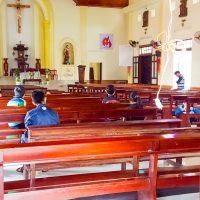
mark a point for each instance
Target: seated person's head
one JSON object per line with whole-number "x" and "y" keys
{"x": 38, "y": 97}
{"x": 19, "y": 91}
{"x": 135, "y": 99}
{"x": 133, "y": 96}
{"x": 110, "y": 90}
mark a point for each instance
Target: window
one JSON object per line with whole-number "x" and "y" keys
{"x": 146, "y": 50}
{"x": 183, "y": 61}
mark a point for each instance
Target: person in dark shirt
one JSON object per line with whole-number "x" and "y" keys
{"x": 17, "y": 100}
{"x": 110, "y": 91}
{"x": 181, "y": 81}
{"x": 39, "y": 116}
{"x": 135, "y": 102}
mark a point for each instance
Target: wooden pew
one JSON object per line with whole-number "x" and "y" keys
{"x": 8, "y": 90}
{"x": 17, "y": 114}
{"x": 91, "y": 130}
{"x": 56, "y": 99}
{"x": 101, "y": 148}
{"x": 185, "y": 117}
{"x": 83, "y": 130}
{"x": 75, "y": 186}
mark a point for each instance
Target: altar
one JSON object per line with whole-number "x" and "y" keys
{"x": 42, "y": 71}
{"x": 34, "y": 76}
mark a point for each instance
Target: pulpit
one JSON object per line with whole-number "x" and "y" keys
{"x": 81, "y": 73}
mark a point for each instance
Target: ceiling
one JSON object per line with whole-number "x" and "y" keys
{"x": 102, "y": 3}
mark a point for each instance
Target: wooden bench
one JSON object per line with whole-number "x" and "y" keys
{"x": 83, "y": 130}
{"x": 8, "y": 90}
{"x": 75, "y": 186}
{"x": 12, "y": 114}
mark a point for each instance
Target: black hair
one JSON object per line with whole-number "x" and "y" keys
{"x": 37, "y": 96}
{"x": 133, "y": 97}
{"x": 110, "y": 89}
{"x": 177, "y": 72}
{"x": 19, "y": 91}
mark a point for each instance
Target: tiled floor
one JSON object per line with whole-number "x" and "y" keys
{"x": 11, "y": 174}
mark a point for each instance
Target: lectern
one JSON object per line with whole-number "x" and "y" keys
{"x": 81, "y": 73}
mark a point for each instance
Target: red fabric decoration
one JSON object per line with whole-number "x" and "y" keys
{"x": 158, "y": 64}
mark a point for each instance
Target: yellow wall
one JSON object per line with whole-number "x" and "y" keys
{"x": 82, "y": 26}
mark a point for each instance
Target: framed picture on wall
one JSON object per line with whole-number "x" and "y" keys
{"x": 106, "y": 41}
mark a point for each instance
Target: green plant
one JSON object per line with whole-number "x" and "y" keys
{"x": 47, "y": 71}
{"x": 17, "y": 72}
{"x": 17, "y": 75}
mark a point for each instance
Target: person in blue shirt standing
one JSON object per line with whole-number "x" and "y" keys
{"x": 17, "y": 100}
{"x": 42, "y": 115}
{"x": 181, "y": 81}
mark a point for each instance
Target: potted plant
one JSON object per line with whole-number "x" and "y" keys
{"x": 17, "y": 76}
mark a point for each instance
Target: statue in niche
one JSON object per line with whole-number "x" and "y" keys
{"x": 68, "y": 54}
{"x": 183, "y": 8}
{"x": 145, "y": 18}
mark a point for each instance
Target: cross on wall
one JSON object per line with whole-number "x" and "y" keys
{"x": 19, "y": 8}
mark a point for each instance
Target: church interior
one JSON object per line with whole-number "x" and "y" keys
{"x": 120, "y": 78}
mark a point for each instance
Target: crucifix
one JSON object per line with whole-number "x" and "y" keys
{"x": 18, "y": 6}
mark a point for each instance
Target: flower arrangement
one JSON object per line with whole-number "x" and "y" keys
{"x": 17, "y": 75}
{"x": 47, "y": 72}
{"x": 31, "y": 74}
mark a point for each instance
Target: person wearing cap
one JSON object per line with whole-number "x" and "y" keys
{"x": 42, "y": 115}
{"x": 17, "y": 100}
{"x": 110, "y": 91}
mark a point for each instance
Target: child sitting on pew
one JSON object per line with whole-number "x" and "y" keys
{"x": 17, "y": 100}
{"x": 110, "y": 91}
{"x": 135, "y": 102}
{"x": 182, "y": 109}
{"x": 39, "y": 116}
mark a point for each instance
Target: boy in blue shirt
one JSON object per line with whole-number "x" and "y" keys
{"x": 17, "y": 100}
{"x": 39, "y": 116}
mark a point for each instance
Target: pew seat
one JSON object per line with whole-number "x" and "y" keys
{"x": 75, "y": 186}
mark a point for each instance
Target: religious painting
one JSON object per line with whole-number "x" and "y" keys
{"x": 106, "y": 41}
{"x": 68, "y": 54}
{"x": 183, "y": 8}
{"x": 145, "y": 18}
